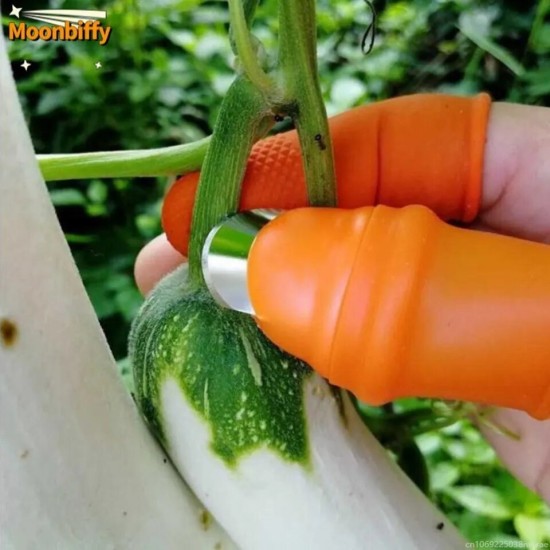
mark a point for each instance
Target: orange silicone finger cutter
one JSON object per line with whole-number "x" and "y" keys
{"x": 417, "y": 149}
{"x": 389, "y": 303}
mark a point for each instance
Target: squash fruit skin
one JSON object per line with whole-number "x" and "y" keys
{"x": 280, "y": 458}
{"x": 248, "y": 391}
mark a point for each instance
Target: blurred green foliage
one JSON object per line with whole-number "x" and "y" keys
{"x": 478, "y": 495}
{"x": 163, "y": 73}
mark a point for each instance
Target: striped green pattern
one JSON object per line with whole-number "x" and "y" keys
{"x": 248, "y": 391}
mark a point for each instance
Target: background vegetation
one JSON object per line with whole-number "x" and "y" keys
{"x": 163, "y": 73}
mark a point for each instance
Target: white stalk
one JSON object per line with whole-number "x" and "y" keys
{"x": 350, "y": 496}
{"x": 77, "y": 466}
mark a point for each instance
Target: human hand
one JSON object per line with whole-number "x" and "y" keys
{"x": 515, "y": 196}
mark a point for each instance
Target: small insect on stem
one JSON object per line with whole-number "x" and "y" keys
{"x": 367, "y": 42}
{"x": 320, "y": 142}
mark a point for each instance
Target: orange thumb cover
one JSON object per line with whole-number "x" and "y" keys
{"x": 418, "y": 149}
{"x": 389, "y": 303}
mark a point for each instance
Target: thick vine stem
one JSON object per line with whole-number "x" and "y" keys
{"x": 244, "y": 117}
{"x": 298, "y": 64}
{"x": 165, "y": 161}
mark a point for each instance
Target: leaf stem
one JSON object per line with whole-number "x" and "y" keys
{"x": 298, "y": 64}
{"x": 245, "y": 49}
{"x": 178, "y": 159}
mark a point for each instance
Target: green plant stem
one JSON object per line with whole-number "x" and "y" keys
{"x": 298, "y": 64}
{"x": 245, "y": 116}
{"x": 249, "y": 8}
{"x": 245, "y": 48}
{"x": 178, "y": 159}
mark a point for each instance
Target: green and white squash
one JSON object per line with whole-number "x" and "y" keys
{"x": 280, "y": 458}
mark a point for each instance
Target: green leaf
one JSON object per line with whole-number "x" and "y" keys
{"x": 102, "y": 300}
{"x": 52, "y": 100}
{"x": 443, "y": 475}
{"x": 67, "y": 197}
{"x": 519, "y": 496}
{"x": 128, "y": 302}
{"x": 97, "y": 191}
{"x": 184, "y": 39}
{"x": 470, "y": 451}
{"x": 346, "y": 92}
{"x": 481, "y": 500}
{"x": 94, "y": 210}
{"x": 539, "y": 81}
{"x": 532, "y": 530}
{"x": 170, "y": 95}
{"x": 211, "y": 44}
{"x": 492, "y": 48}
{"x": 478, "y": 528}
{"x": 429, "y": 443}
{"x": 148, "y": 225}
{"x": 73, "y": 238}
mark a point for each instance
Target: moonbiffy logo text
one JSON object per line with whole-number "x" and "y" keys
{"x": 61, "y": 25}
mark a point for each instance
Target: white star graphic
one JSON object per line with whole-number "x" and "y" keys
{"x": 26, "y": 65}
{"x": 15, "y": 11}
{"x": 98, "y": 65}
